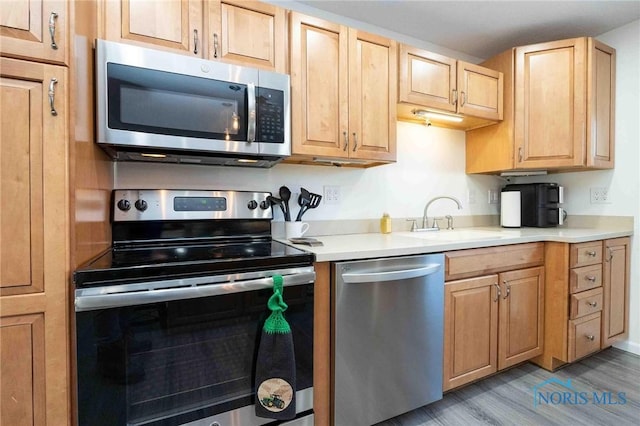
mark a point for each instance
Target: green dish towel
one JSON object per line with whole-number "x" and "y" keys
{"x": 276, "y": 364}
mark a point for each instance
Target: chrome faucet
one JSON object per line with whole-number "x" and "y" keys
{"x": 435, "y": 226}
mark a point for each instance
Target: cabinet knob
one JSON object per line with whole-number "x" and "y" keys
{"x": 591, "y": 253}
{"x": 590, "y": 337}
{"x": 592, "y": 304}
{"x": 590, "y": 278}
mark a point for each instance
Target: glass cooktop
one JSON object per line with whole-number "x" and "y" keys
{"x": 143, "y": 263}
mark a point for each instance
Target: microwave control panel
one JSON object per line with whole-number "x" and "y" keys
{"x": 270, "y": 115}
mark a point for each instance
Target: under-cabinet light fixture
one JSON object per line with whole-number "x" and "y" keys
{"x": 153, "y": 155}
{"x": 430, "y": 115}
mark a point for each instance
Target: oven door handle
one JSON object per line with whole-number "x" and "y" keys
{"x": 100, "y": 298}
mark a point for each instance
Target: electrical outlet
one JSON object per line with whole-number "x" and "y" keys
{"x": 471, "y": 196}
{"x": 600, "y": 196}
{"x": 493, "y": 196}
{"x": 331, "y": 194}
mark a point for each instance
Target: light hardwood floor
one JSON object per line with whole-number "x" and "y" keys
{"x": 508, "y": 397}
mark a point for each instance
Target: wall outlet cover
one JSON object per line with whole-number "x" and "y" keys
{"x": 600, "y": 196}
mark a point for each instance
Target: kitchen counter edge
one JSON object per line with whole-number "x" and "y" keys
{"x": 375, "y": 245}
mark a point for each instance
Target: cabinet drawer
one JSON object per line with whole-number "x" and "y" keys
{"x": 584, "y": 336}
{"x": 483, "y": 261}
{"x": 585, "y": 278}
{"x": 585, "y": 254}
{"x": 586, "y": 302}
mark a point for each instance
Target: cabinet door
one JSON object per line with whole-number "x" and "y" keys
{"x": 601, "y": 92}
{"x": 521, "y": 323}
{"x": 36, "y": 29}
{"x": 480, "y": 91}
{"x": 615, "y": 285}
{"x": 550, "y": 104}
{"x": 247, "y": 33}
{"x": 319, "y": 87}
{"x": 174, "y": 25}
{"x": 427, "y": 79}
{"x": 34, "y": 244}
{"x": 372, "y": 96}
{"x": 470, "y": 330}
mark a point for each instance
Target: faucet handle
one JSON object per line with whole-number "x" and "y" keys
{"x": 449, "y": 221}
{"x": 435, "y": 222}
{"x": 414, "y": 225}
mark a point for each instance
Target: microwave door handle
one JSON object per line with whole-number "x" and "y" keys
{"x": 251, "y": 122}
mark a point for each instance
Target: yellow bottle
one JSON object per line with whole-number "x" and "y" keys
{"x": 385, "y": 224}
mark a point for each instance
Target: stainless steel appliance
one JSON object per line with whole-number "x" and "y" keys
{"x": 539, "y": 204}
{"x": 168, "y": 319}
{"x": 158, "y": 106}
{"x": 388, "y": 337}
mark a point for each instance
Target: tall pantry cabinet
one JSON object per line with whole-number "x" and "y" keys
{"x": 34, "y": 215}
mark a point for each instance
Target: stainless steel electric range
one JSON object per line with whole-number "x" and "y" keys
{"x": 168, "y": 319}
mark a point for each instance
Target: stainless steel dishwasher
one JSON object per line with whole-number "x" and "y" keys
{"x": 388, "y": 337}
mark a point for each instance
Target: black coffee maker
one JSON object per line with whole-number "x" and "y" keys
{"x": 539, "y": 204}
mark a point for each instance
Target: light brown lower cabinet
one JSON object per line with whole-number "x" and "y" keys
{"x": 587, "y": 299}
{"x": 492, "y": 321}
{"x": 615, "y": 288}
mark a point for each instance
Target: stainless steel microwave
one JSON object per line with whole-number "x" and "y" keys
{"x": 159, "y": 106}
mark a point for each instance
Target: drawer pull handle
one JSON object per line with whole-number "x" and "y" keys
{"x": 498, "y": 292}
{"x": 592, "y": 304}
{"x": 591, "y": 278}
{"x": 52, "y": 95}
{"x": 591, "y": 253}
{"x": 52, "y": 30}
{"x": 508, "y": 292}
{"x": 590, "y": 337}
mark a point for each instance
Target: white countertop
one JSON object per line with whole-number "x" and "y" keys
{"x": 364, "y": 246}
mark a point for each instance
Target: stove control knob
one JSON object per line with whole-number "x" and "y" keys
{"x": 124, "y": 205}
{"x": 141, "y": 205}
{"x": 264, "y": 204}
{"x": 253, "y": 204}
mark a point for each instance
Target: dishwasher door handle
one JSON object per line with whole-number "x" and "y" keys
{"x": 402, "y": 274}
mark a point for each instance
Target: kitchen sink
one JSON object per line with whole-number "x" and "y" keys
{"x": 455, "y": 235}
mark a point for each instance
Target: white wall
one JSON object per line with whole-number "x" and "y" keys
{"x": 430, "y": 163}
{"x": 624, "y": 181}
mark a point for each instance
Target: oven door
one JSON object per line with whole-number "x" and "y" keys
{"x": 182, "y": 351}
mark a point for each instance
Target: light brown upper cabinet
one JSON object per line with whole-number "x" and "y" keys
{"x": 36, "y": 30}
{"x": 434, "y": 82}
{"x": 248, "y": 33}
{"x": 343, "y": 96}
{"x": 559, "y": 110}
{"x": 174, "y": 25}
